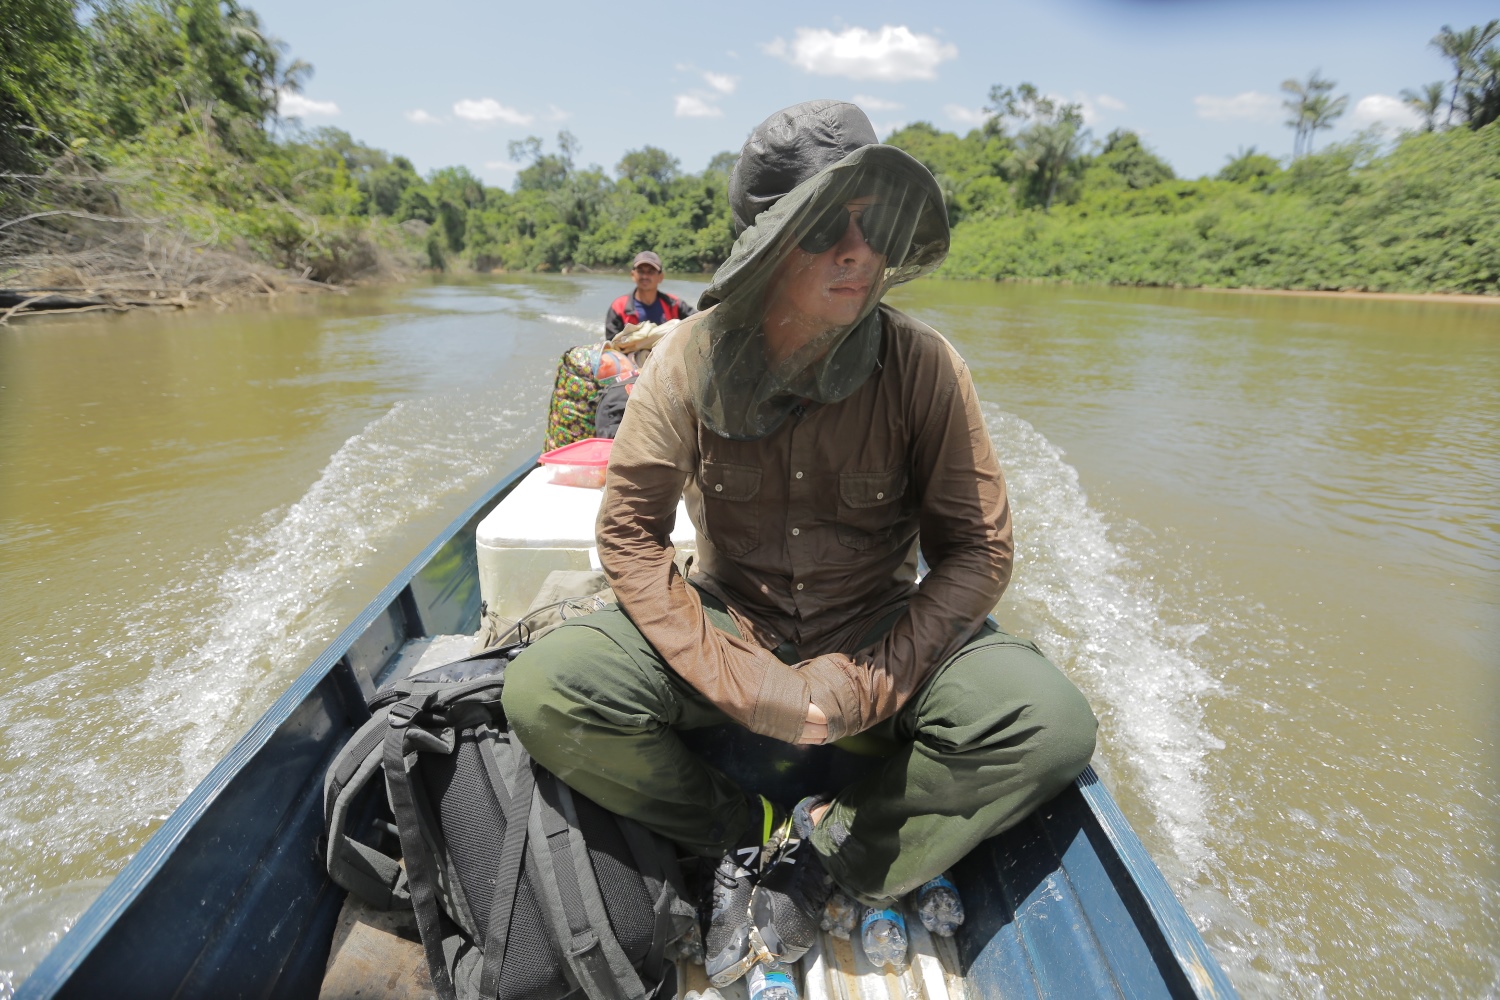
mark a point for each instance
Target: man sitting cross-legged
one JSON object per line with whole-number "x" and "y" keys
{"x": 817, "y": 436}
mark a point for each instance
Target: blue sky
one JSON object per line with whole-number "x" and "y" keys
{"x": 446, "y": 82}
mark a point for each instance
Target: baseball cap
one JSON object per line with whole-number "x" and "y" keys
{"x": 646, "y": 257}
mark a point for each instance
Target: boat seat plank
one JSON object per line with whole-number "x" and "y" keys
{"x": 376, "y": 953}
{"x": 837, "y": 970}
{"x": 424, "y": 653}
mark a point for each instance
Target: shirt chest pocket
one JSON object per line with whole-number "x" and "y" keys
{"x": 869, "y": 506}
{"x": 731, "y": 506}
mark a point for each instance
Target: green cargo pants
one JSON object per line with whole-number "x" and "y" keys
{"x": 995, "y": 731}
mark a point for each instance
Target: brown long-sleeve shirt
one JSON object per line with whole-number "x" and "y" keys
{"x": 809, "y": 535}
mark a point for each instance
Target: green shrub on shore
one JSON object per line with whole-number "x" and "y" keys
{"x": 1417, "y": 218}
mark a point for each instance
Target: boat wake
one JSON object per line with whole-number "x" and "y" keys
{"x": 213, "y": 650}
{"x": 1080, "y": 599}
{"x": 277, "y": 604}
{"x": 1115, "y": 615}
{"x": 592, "y": 326}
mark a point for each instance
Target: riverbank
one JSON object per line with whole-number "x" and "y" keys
{"x": 1455, "y": 298}
{"x": 18, "y": 303}
{"x": 1446, "y": 297}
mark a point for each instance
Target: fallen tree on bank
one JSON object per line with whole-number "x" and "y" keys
{"x": 71, "y": 241}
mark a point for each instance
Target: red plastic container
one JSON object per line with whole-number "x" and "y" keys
{"x": 581, "y": 463}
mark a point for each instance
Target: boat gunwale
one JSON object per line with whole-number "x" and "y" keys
{"x": 1183, "y": 940}
{"x": 59, "y": 964}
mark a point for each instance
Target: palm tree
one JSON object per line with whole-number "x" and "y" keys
{"x": 1482, "y": 96}
{"x": 1463, "y": 47}
{"x": 1312, "y": 108}
{"x": 1052, "y": 145}
{"x": 1427, "y": 102}
{"x": 1322, "y": 111}
{"x": 1051, "y": 141}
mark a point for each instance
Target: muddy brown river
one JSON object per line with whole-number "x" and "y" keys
{"x": 1261, "y": 533}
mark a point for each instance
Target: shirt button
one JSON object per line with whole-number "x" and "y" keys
{"x": 718, "y": 487}
{"x": 796, "y": 531}
{"x": 799, "y": 475}
{"x": 880, "y": 496}
{"x": 799, "y": 586}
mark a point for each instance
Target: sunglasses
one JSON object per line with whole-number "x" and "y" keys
{"x": 878, "y": 224}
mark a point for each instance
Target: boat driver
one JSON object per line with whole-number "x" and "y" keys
{"x": 821, "y": 439}
{"x": 647, "y": 303}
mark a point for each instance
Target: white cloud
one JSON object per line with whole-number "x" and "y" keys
{"x": 296, "y": 106}
{"x": 893, "y": 53}
{"x": 1089, "y": 107}
{"x": 973, "y": 117}
{"x": 487, "y": 111}
{"x": 557, "y": 114}
{"x": 1251, "y": 105}
{"x": 722, "y": 82}
{"x": 501, "y": 166}
{"x": 1086, "y": 107}
{"x": 420, "y": 117}
{"x": 875, "y": 103}
{"x": 693, "y": 106}
{"x": 1385, "y": 109}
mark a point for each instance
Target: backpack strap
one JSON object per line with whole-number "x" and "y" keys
{"x": 657, "y": 863}
{"x": 421, "y": 866}
{"x": 517, "y": 806}
{"x": 595, "y": 959}
{"x": 372, "y": 875}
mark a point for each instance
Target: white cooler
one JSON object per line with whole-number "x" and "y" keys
{"x": 539, "y": 527}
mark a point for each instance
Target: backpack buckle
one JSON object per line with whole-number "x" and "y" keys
{"x": 407, "y": 709}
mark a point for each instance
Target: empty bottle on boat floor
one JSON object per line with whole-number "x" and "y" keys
{"x": 883, "y": 934}
{"x": 939, "y": 906}
{"x": 688, "y": 948}
{"x": 840, "y": 914}
{"x": 771, "y": 982}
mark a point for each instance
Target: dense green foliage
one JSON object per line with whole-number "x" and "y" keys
{"x": 560, "y": 215}
{"x": 168, "y": 109}
{"x": 171, "y": 106}
{"x": 42, "y": 68}
{"x": 1418, "y": 217}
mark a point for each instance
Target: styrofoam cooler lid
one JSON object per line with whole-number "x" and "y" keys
{"x": 539, "y": 513}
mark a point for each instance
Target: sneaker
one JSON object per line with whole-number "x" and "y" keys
{"x": 727, "y": 954}
{"x": 786, "y": 906}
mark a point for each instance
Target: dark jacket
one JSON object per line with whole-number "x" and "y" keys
{"x": 621, "y": 312}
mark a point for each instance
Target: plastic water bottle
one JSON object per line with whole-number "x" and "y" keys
{"x": 840, "y": 914}
{"x": 771, "y": 982}
{"x": 688, "y": 948}
{"x": 883, "y": 933}
{"x": 939, "y": 906}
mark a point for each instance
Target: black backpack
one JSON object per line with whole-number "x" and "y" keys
{"x": 522, "y": 889}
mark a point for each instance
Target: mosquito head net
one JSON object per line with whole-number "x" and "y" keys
{"x": 828, "y": 220}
